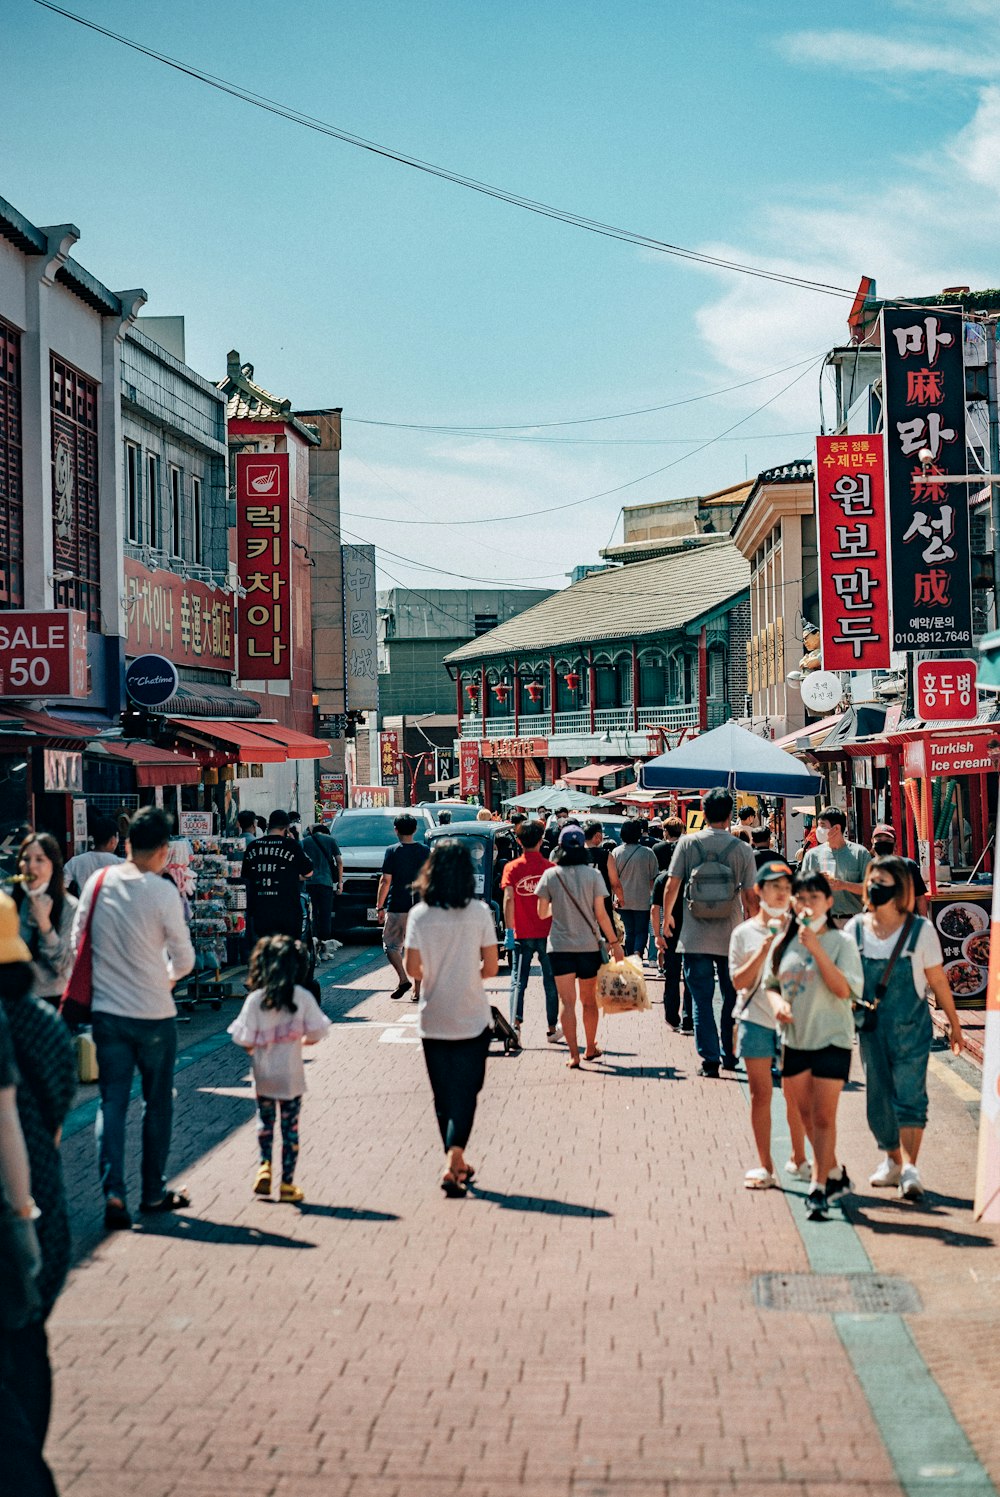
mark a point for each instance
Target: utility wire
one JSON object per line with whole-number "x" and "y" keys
{"x": 458, "y": 179}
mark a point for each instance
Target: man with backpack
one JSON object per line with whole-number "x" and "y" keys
{"x": 718, "y": 873}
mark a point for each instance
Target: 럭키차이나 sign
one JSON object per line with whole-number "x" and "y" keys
{"x": 263, "y": 558}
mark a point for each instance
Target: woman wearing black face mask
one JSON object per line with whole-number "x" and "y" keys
{"x": 902, "y": 951}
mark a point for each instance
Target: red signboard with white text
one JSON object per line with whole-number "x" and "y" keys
{"x": 263, "y": 558}
{"x": 188, "y": 622}
{"x": 851, "y": 540}
{"x": 468, "y": 766}
{"x": 948, "y": 754}
{"x": 946, "y": 690}
{"x": 43, "y": 654}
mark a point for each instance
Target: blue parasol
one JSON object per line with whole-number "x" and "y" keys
{"x": 730, "y": 757}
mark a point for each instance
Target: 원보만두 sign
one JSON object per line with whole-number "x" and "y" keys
{"x": 854, "y": 576}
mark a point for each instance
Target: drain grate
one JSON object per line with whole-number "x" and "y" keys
{"x": 836, "y": 1293}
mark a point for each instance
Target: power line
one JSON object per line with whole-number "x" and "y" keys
{"x": 458, "y": 179}
{"x": 486, "y": 436}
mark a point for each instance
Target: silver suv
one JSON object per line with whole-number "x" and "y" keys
{"x": 363, "y": 834}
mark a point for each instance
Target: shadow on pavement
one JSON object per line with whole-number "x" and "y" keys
{"x": 657, "y": 1073}
{"x": 909, "y": 1221}
{"x": 348, "y": 1213}
{"x": 226, "y": 1234}
{"x": 534, "y": 1203}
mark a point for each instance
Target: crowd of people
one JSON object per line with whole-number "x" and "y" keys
{"x": 809, "y": 963}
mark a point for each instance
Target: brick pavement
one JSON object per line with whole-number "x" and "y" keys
{"x": 584, "y": 1325}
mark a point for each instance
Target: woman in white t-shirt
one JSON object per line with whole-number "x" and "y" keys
{"x": 449, "y": 950}
{"x": 895, "y": 1053}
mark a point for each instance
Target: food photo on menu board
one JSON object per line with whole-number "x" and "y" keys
{"x": 963, "y": 926}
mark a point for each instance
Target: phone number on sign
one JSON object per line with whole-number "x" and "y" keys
{"x": 934, "y": 640}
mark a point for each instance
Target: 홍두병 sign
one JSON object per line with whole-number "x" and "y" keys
{"x": 946, "y": 690}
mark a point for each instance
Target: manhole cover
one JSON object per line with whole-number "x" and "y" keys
{"x": 836, "y": 1293}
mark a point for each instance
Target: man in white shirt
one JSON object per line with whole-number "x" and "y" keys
{"x": 104, "y": 835}
{"x": 141, "y": 947}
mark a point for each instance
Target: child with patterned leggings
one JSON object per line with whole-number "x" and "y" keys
{"x": 277, "y": 1019}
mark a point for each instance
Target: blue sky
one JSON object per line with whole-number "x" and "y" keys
{"x": 748, "y": 129}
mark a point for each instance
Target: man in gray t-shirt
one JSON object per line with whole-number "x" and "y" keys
{"x": 704, "y": 942}
{"x": 842, "y": 862}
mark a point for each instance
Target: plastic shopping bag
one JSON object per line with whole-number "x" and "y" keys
{"x": 621, "y": 986}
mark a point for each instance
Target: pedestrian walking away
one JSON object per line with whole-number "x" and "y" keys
{"x": 637, "y": 868}
{"x": 396, "y": 898}
{"x": 278, "y": 1017}
{"x": 141, "y": 947}
{"x": 750, "y": 948}
{"x": 901, "y": 956}
{"x": 717, "y": 874}
{"x": 450, "y": 949}
{"x": 573, "y": 894}
{"x": 46, "y": 1067}
{"x": 669, "y": 960}
{"x": 599, "y": 853}
{"x": 327, "y": 880}
{"x": 104, "y": 835}
{"x": 519, "y": 883}
{"x": 46, "y": 914}
{"x": 841, "y": 862}
{"x": 815, "y": 972}
{"x": 274, "y": 869}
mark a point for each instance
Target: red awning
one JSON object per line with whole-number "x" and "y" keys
{"x": 824, "y": 725}
{"x": 296, "y": 745}
{"x": 153, "y": 766}
{"x": 41, "y": 724}
{"x": 592, "y": 774}
{"x": 238, "y": 741}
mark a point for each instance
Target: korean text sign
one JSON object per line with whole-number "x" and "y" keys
{"x": 43, "y": 653}
{"x": 188, "y": 622}
{"x": 263, "y": 559}
{"x": 923, "y": 379}
{"x": 946, "y": 690}
{"x": 854, "y": 576}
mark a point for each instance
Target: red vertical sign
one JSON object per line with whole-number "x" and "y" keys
{"x": 468, "y": 762}
{"x": 263, "y": 557}
{"x": 851, "y": 541}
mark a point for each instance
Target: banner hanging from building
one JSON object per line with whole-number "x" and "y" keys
{"x": 389, "y": 756}
{"x": 360, "y": 643}
{"x": 851, "y": 540}
{"x": 468, "y": 768}
{"x": 188, "y": 622}
{"x": 263, "y": 560}
{"x": 923, "y": 382}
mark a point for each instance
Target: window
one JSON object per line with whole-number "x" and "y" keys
{"x": 482, "y": 623}
{"x": 197, "y": 547}
{"x": 153, "y": 501}
{"x": 132, "y": 530}
{"x": 176, "y": 539}
{"x": 11, "y": 472}
{"x": 75, "y": 501}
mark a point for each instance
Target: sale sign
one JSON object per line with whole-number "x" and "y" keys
{"x": 854, "y": 575}
{"x": 946, "y": 690}
{"x": 468, "y": 768}
{"x": 263, "y": 558}
{"x": 43, "y": 653}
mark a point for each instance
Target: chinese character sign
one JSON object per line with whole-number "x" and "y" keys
{"x": 161, "y": 611}
{"x": 389, "y": 755}
{"x": 946, "y": 690}
{"x": 263, "y": 558}
{"x": 468, "y": 764}
{"x": 851, "y": 530}
{"x": 360, "y": 647}
{"x": 923, "y": 379}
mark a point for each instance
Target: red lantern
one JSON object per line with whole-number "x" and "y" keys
{"x": 572, "y": 680}
{"x": 534, "y": 690}
{"x": 501, "y": 693}
{"x": 472, "y": 691}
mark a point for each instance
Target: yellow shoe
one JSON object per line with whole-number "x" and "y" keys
{"x": 293, "y": 1194}
{"x": 262, "y": 1184}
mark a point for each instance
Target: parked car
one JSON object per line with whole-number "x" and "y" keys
{"x": 363, "y": 834}
{"x": 461, "y": 810}
{"x": 492, "y": 845}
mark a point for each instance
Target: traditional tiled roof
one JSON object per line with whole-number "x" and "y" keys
{"x": 800, "y": 470}
{"x": 248, "y": 401}
{"x": 644, "y": 598}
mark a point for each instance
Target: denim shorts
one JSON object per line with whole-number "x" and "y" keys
{"x": 756, "y": 1041}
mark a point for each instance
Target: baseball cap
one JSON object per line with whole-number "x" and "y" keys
{"x": 884, "y": 830}
{"x": 571, "y": 836}
{"x": 12, "y": 948}
{"x": 777, "y": 868}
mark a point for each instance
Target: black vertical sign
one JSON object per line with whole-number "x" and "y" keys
{"x": 923, "y": 382}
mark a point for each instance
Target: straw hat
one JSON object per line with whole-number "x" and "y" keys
{"x": 12, "y": 948}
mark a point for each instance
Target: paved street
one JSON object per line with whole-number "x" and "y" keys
{"x": 592, "y": 1322}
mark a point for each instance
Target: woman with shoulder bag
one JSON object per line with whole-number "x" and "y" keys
{"x": 901, "y": 956}
{"x": 573, "y": 893}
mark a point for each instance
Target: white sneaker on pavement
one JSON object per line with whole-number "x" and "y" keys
{"x": 910, "y": 1188}
{"x": 760, "y": 1179}
{"x": 886, "y": 1175}
{"x": 555, "y": 1036}
{"x": 801, "y": 1171}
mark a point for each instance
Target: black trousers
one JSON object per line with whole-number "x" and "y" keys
{"x": 457, "y": 1070}
{"x": 321, "y": 896}
{"x": 671, "y": 965}
{"x": 25, "y": 1405}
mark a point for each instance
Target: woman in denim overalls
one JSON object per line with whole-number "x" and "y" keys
{"x": 895, "y": 1053}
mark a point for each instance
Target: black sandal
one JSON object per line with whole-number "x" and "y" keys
{"x": 173, "y": 1200}
{"x": 116, "y": 1216}
{"x": 453, "y": 1187}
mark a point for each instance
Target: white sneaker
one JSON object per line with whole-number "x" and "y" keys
{"x": 910, "y": 1188}
{"x": 801, "y": 1171}
{"x": 886, "y": 1175}
{"x": 760, "y": 1179}
{"x": 555, "y": 1036}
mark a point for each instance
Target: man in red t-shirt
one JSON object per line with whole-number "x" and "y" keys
{"x": 520, "y": 914}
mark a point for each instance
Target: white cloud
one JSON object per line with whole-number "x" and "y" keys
{"x": 863, "y": 52}
{"x": 975, "y": 151}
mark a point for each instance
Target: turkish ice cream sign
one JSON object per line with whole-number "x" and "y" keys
{"x": 851, "y": 528}
{"x": 263, "y": 558}
{"x": 43, "y": 653}
{"x": 923, "y": 381}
